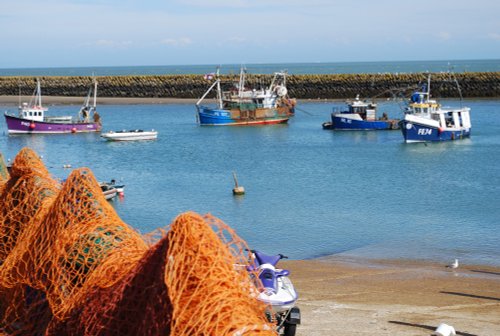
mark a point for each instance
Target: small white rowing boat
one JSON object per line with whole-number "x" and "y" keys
{"x": 108, "y": 190}
{"x": 131, "y": 135}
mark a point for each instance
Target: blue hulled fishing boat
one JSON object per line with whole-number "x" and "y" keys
{"x": 425, "y": 120}
{"x": 241, "y": 106}
{"x": 359, "y": 115}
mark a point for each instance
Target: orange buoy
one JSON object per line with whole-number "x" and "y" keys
{"x": 73, "y": 130}
{"x": 32, "y": 125}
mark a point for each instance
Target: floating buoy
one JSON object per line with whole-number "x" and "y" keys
{"x": 67, "y": 166}
{"x": 73, "y": 130}
{"x": 32, "y": 125}
{"x": 440, "y": 130}
{"x": 237, "y": 190}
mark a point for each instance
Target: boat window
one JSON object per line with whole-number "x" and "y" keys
{"x": 25, "y": 113}
{"x": 31, "y": 114}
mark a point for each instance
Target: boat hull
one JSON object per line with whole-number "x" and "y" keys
{"x": 17, "y": 125}
{"x": 415, "y": 132}
{"x": 342, "y": 123}
{"x": 220, "y": 117}
{"x": 130, "y": 136}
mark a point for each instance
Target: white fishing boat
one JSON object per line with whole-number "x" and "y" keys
{"x": 132, "y": 135}
{"x": 108, "y": 190}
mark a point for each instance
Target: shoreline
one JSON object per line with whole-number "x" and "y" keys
{"x": 62, "y": 100}
{"x": 341, "y": 295}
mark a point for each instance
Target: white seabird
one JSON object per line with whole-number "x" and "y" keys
{"x": 454, "y": 264}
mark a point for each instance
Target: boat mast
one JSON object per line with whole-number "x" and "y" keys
{"x": 219, "y": 95}
{"x": 37, "y": 94}
{"x": 95, "y": 94}
{"x": 241, "y": 83}
{"x": 38, "y": 99}
{"x": 219, "y": 91}
{"x": 429, "y": 87}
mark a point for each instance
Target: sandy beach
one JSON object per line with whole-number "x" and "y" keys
{"x": 346, "y": 296}
{"x": 53, "y": 100}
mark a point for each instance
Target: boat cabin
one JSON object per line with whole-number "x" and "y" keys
{"x": 421, "y": 106}
{"x": 35, "y": 113}
{"x": 359, "y": 109}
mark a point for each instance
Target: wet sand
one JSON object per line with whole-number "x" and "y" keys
{"x": 348, "y": 296}
{"x": 53, "y": 100}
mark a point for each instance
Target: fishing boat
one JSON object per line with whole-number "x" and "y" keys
{"x": 425, "y": 120}
{"x": 359, "y": 115}
{"x": 108, "y": 190}
{"x": 241, "y": 106}
{"x": 32, "y": 118}
{"x": 120, "y": 188}
{"x": 132, "y": 135}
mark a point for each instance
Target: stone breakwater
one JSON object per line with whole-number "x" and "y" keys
{"x": 472, "y": 85}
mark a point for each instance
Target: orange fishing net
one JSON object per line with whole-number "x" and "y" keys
{"x": 24, "y": 201}
{"x": 4, "y": 173}
{"x": 207, "y": 280}
{"x": 70, "y": 266}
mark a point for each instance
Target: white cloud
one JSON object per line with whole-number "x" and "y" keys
{"x": 179, "y": 42}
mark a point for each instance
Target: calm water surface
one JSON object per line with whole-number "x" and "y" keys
{"x": 263, "y": 68}
{"x": 310, "y": 192}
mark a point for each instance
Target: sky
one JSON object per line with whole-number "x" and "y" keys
{"x": 79, "y": 33}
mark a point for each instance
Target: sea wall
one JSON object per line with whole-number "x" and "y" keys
{"x": 474, "y": 84}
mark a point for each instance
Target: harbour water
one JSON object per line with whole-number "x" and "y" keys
{"x": 292, "y": 68}
{"x": 309, "y": 192}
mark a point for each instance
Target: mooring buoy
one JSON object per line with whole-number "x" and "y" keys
{"x": 237, "y": 190}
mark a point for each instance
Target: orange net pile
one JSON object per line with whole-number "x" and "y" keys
{"x": 208, "y": 284}
{"x": 70, "y": 266}
{"x": 24, "y": 200}
{"x": 4, "y": 173}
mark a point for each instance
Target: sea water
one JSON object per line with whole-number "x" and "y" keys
{"x": 309, "y": 192}
{"x": 263, "y": 68}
